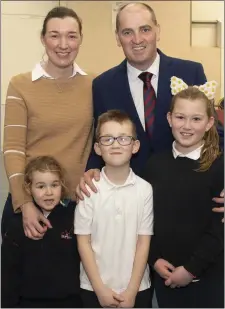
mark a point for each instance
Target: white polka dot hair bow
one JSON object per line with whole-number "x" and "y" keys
{"x": 209, "y": 88}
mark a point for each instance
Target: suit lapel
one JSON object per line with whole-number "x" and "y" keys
{"x": 165, "y": 73}
{"x": 125, "y": 95}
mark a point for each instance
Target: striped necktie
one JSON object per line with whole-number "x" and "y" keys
{"x": 149, "y": 101}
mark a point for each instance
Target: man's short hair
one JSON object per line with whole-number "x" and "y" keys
{"x": 123, "y": 6}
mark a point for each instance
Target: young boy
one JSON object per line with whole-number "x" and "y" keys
{"x": 114, "y": 225}
{"x": 42, "y": 273}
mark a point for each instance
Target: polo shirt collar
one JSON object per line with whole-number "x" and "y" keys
{"x": 131, "y": 179}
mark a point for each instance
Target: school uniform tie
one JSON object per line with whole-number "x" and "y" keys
{"x": 149, "y": 101}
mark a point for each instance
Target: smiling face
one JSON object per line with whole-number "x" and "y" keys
{"x": 62, "y": 41}
{"x": 138, "y": 34}
{"x": 117, "y": 155}
{"x": 189, "y": 122}
{"x": 46, "y": 189}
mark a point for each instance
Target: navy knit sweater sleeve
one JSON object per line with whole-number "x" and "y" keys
{"x": 211, "y": 243}
{"x": 186, "y": 231}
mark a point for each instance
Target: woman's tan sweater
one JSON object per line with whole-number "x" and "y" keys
{"x": 47, "y": 117}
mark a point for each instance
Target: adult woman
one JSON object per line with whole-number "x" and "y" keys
{"x": 48, "y": 112}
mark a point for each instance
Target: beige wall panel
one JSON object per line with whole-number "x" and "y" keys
{"x": 211, "y": 11}
{"x": 210, "y": 58}
{"x": 207, "y": 10}
{"x": 20, "y": 50}
{"x": 21, "y": 47}
{"x": 21, "y": 23}
{"x": 99, "y": 51}
{"x": 39, "y": 8}
{"x": 204, "y": 35}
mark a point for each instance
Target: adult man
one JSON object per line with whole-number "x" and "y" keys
{"x": 137, "y": 32}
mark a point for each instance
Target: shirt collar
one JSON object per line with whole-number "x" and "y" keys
{"x": 46, "y": 213}
{"x": 194, "y": 154}
{"x": 39, "y": 72}
{"x": 154, "y": 69}
{"x": 131, "y": 179}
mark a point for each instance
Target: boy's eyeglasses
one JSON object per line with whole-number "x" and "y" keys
{"x": 109, "y": 140}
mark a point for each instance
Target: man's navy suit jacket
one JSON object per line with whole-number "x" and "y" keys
{"x": 111, "y": 91}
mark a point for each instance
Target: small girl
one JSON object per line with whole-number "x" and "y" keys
{"x": 187, "y": 246}
{"x": 42, "y": 273}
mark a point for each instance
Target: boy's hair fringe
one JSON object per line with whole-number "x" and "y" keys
{"x": 117, "y": 116}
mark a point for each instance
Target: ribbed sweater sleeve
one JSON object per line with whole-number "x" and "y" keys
{"x": 14, "y": 148}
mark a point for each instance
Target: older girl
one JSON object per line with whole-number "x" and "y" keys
{"x": 187, "y": 246}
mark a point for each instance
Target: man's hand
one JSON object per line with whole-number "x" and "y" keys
{"x": 219, "y": 200}
{"x": 108, "y": 298}
{"x": 87, "y": 180}
{"x": 163, "y": 268}
{"x": 128, "y": 299}
{"x": 31, "y": 221}
{"x": 179, "y": 277}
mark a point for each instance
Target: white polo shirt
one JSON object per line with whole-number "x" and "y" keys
{"x": 115, "y": 216}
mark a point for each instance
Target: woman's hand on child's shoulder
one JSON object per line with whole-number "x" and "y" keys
{"x": 87, "y": 179}
{"x": 31, "y": 221}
